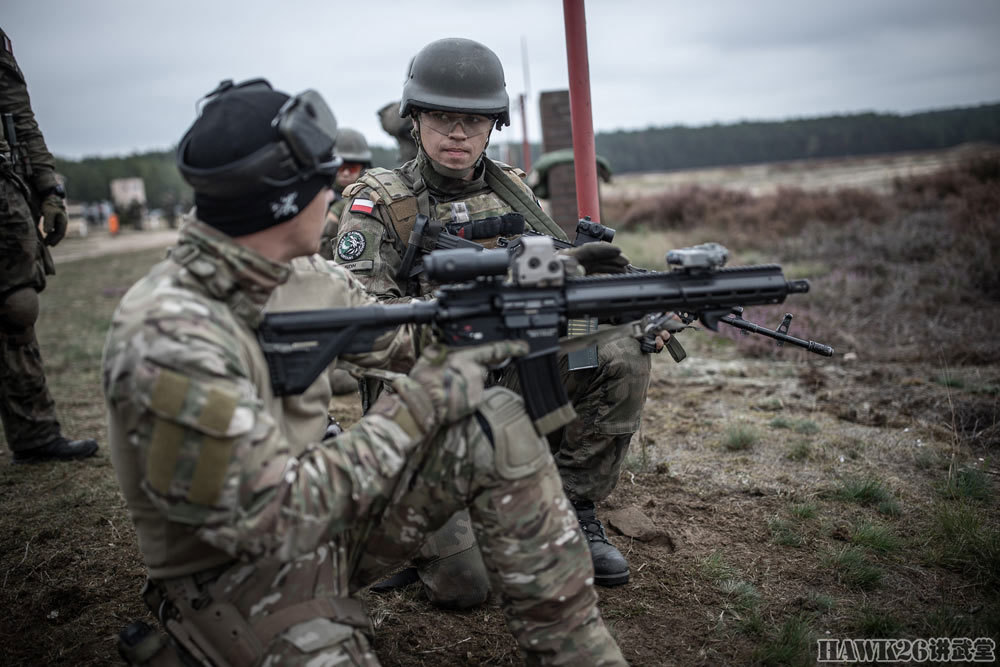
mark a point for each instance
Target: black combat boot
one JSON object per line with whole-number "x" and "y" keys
{"x": 60, "y": 449}
{"x": 610, "y": 567}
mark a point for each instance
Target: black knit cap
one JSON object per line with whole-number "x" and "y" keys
{"x": 231, "y": 127}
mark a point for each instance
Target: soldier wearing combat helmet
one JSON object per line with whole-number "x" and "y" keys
{"x": 28, "y": 191}
{"x": 455, "y": 95}
{"x": 356, "y": 157}
{"x": 257, "y": 527}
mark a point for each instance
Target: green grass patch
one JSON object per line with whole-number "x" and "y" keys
{"x": 806, "y": 427}
{"x": 864, "y": 491}
{"x": 869, "y": 621}
{"x": 876, "y": 537}
{"x": 741, "y": 594}
{"x": 889, "y": 508}
{"x": 821, "y": 601}
{"x": 966, "y": 539}
{"x": 773, "y": 404}
{"x": 751, "y": 624}
{"x": 947, "y": 380}
{"x": 853, "y": 568}
{"x": 740, "y": 437}
{"x": 715, "y": 568}
{"x": 785, "y": 533}
{"x": 791, "y": 645}
{"x": 955, "y": 382}
{"x": 967, "y": 483}
{"x": 803, "y": 426}
{"x": 930, "y": 459}
{"x": 800, "y": 451}
{"x": 804, "y": 510}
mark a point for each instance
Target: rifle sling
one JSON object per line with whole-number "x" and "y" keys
{"x": 519, "y": 200}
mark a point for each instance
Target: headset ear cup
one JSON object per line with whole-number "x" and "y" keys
{"x": 309, "y": 128}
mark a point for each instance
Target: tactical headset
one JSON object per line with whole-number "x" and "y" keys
{"x": 308, "y": 132}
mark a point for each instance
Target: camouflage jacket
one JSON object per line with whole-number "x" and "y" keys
{"x": 376, "y": 224}
{"x": 38, "y": 166}
{"x": 212, "y": 465}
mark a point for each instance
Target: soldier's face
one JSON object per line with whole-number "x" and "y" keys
{"x": 348, "y": 173}
{"x": 453, "y": 147}
{"x": 309, "y": 232}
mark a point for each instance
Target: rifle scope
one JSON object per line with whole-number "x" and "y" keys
{"x": 463, "y": 264}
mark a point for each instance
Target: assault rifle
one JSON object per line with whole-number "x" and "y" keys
{"x": 429, "y": 235}
{"x": 489, "y": 295}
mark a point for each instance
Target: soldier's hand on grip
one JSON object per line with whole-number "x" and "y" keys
{"x": 455, "y": 379}
{"x": 599, "y": 257}
{"x": 54, "y": 218}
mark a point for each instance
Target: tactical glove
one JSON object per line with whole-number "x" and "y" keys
{"x": 449, "y": 384}
{"x": 598, "y": 257}
{"x": 54, "y": 218}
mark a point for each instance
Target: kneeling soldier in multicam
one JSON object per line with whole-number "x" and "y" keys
{"x": 455, "y": 95}
{"x": 255, "y": 537}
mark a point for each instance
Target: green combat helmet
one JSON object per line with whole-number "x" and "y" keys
{"x": 352, "y": 147}
{"x": 457, "y": 75}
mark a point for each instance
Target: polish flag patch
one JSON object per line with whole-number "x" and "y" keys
{"x": 362, "y": 206}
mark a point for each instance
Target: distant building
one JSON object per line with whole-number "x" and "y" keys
{"x": 127, "y": 191}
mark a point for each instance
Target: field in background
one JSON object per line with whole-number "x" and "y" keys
{"x": 770, "y": 499}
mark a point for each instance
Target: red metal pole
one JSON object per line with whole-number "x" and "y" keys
{"x": 525, "y": 144}
{"x": 584, "y": 154}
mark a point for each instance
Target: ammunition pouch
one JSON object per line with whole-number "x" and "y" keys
{"x": 214, "y": 632}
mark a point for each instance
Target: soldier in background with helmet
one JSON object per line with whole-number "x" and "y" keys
{"x": 455, "y": 94}
{"x": 400, "y": 129}
{"x": 356, "y": 157}
{"x": 28, "y": 190}
{"x": 256, "y": 533}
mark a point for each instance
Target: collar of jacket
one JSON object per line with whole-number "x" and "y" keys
{"x": 227, "y": 271}
{"x": 445, "y": 188}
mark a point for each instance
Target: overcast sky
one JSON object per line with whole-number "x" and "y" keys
{"x": 114, "y": 76}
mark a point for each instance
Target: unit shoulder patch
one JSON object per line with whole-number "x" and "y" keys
{"x": 351, "y": 246}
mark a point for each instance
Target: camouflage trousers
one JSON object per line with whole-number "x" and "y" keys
{"x": 536, "y": 558}
{"x": 26, "y": 407}
{"x": 608, "y": 400}
{"x": 588, "y": 453}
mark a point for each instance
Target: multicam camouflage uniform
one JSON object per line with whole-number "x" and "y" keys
{"x": 26, "y": 406}
{"x": 608, "y": 399}
{"x": 255, "y": 534}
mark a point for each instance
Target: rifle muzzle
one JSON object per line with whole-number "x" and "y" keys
{"x": 798, "y": 286}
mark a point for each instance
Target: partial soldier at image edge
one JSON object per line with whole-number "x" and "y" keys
{"x": 29, "y": 191}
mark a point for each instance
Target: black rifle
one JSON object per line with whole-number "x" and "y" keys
{"x": 479, "y": 304}
{"x": 429, "y": 235}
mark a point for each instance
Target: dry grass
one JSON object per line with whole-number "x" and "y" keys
{"x": 914, "y": 275}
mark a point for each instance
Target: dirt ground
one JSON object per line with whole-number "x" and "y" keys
{"x": 767, "y": 502}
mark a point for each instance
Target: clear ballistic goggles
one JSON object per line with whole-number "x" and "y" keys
{"x": 444, "y": 122}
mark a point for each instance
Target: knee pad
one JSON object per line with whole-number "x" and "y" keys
{"x": 518, "y": 449}
{"x": 19, "y": 309}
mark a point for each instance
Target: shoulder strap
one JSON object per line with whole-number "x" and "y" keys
{"x": 515, "y": 195}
